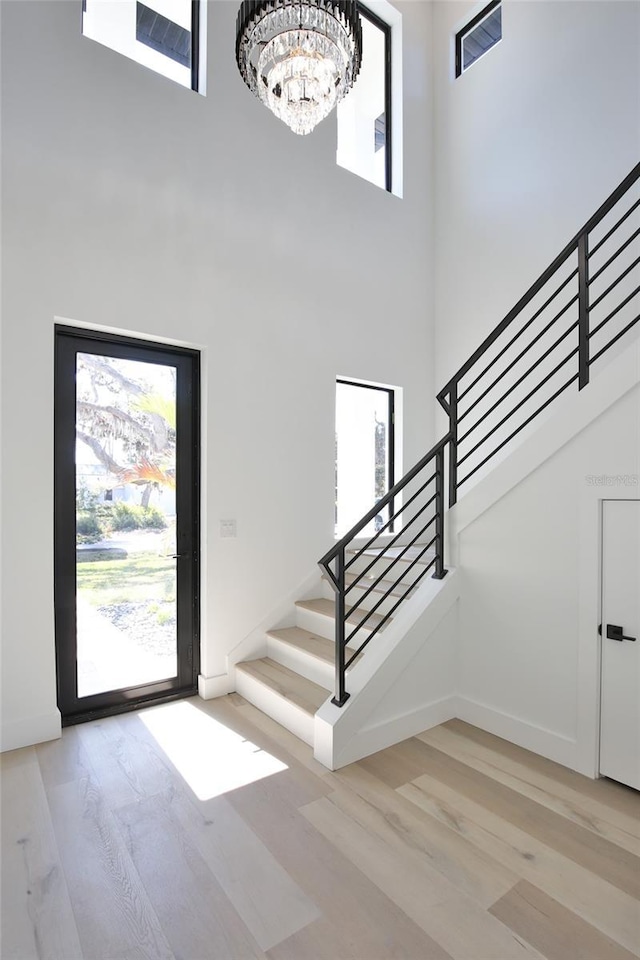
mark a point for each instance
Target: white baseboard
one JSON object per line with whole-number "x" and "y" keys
{"x": 399, "y": 728}
{"x": 546, "y": 743}
{"x": 211, "y": 687}
{"x": 24, "y": 733}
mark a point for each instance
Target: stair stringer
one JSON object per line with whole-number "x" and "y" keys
{"x": 396, "y": 667}
{"x": 568, "y": 416}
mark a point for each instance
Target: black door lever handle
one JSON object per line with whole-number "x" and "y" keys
{"x": 615, "y": 633}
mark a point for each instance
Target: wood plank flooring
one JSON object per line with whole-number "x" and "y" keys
{"x": 453, "y": 845}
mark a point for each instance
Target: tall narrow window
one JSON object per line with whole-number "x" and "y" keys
{"x": 364, "y": 453}
{"x": 478, "y": 36}
{"x": 364, "y": 116}
{"x": 160, "y": 34}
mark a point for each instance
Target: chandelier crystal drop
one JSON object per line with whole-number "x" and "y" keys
{"x": 299, "y": 57}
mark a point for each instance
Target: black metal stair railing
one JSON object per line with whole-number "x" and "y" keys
{"x": 421, "y": 515}
{"x": 579, "y": 308}
{"x": 582, "y": 305}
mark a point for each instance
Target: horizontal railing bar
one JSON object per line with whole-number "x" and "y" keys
{"x": 521, "y": 331}
{"x": 393, "y": 492}
{"x": 393, "y": 562}
{"x": 387, "y": 617}
{"x": 572, "y": 246}
{"x": 513, "y": 386}
{"x": 614, "y": 339}
{"x": 382, "y": 599}
{"x": 519, "y": 357}
{"x": 518, "y": 405}
{"x": 614, "y": 256}
{"x": 614, "y": 311}
{"x": 388, "y": 546}
{"x": 622, "y": 219}
{"x": 521, "y": 427}
{"x": 383, "y": 574}
{"x": 615, "y": 283}
{"x": 374, "y": 608}
{"x": 389, "y": 592}
{"x": 391, "y": 519}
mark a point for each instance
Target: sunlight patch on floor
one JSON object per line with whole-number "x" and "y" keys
{"x": 210, "y": 757}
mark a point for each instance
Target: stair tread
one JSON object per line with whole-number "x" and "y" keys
{"x": 327, "y": 609}
{"x": 286, "y": 683}
{"x": 311, "y": 643}
{"x": 392, "y": 552}
{"x": 388, "y": 587}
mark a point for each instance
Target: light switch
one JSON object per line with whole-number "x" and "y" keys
{"x": 227, "y": 528}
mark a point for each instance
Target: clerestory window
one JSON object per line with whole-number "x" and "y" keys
{"x": 368, "y": 124}
{"x": 163, "y": 35}
{"x": 478, "y": 36}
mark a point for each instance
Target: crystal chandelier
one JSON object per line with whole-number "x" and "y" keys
{"x": 299, "y": 57}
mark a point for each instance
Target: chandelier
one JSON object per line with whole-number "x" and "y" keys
{"x": 299, "y": 57}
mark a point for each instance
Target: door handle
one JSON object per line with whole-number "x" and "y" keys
{"x": 175, "y": 556}
{"x": 615, "y": 633}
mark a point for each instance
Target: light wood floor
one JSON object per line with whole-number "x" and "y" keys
{"x": 454, "y": 844}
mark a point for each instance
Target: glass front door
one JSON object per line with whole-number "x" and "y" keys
{"x": 126, "y": 522}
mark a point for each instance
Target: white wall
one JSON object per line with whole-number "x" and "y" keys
{"x": 527, "y": 144}
{"x": 530, "y": 590}
{"x": 133, "y": 204}
{"x": 529, "y": 141}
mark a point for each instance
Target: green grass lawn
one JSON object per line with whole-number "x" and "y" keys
{"x": 144, "y": 576}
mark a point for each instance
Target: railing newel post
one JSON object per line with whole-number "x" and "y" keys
{"x": 583, "y": 311}
{"x": 453, "y": 443}
{"x": 440, "y": 571}
{"x": 341, "y": 696}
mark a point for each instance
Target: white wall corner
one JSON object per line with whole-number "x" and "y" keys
{"x": 218, "y": 686}
{"x": 546, "y": 743}
{"x": 254, "y": 645}
{"x": 31, "y": 730}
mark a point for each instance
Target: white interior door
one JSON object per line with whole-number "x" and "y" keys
{"x": 620, "y": 688}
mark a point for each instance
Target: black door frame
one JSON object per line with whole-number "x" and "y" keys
{"x": 68, "y": 342}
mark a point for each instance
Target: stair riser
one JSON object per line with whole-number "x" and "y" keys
{"x": 323, "y": 626}
{"x": 370, "y": 601}
{"x": 399, "y": 571}
{"x": 314, "y": 669}
{"x": 280, "y": 709}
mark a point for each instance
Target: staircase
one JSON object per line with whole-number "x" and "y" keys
{"x": 297, "y": 676}
{"x": 584, "y": 304}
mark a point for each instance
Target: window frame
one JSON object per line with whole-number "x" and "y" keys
{"x": 385, "y": 27}
{"x": 197, "y": 23}
{"x": 195, "y": 45}
{"x": 466, "y": 30}
{"x": 391, "y": 439}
